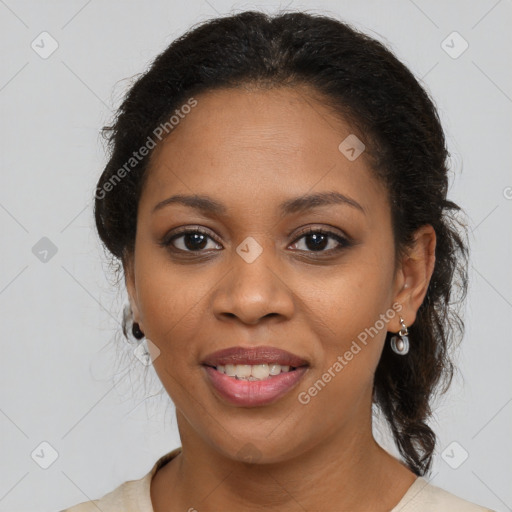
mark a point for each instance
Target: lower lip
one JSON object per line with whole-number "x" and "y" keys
{"x": 247, "y": 393}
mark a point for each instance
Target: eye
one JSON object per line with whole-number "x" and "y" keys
{"x": 189, "y": 240}
{"x": 317, "y": 239}
{"x": 196, "y": 240}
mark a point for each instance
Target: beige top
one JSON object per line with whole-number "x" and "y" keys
{"x": 134, "y": 496}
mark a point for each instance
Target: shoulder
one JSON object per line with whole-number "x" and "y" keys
{"x": 425, "y": 497}
{"x": 131, "y": 496}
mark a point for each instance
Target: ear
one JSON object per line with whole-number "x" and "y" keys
{"x": 129, "y": 279}
{"x": 413, "y": 275}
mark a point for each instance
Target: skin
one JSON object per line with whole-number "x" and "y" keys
{"x": 252, "y": 150}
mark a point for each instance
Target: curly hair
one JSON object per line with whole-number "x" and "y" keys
{"x": 364, "y": 83}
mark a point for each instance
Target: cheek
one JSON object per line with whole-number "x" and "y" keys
{"x": 353, "y": 298}
{"x": 170, "y": 300}
{"x": 348, "y": 352}
{"x": 352, "y": 310}
{"x": 170, "y": 307}
{"x": 171, "y": 310}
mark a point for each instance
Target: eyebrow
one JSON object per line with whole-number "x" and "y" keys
{"x": 209, "y": 205}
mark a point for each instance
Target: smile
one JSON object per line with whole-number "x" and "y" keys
{"x": 247, "y": 389}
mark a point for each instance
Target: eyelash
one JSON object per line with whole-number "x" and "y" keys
{"x": 343, "y": 242}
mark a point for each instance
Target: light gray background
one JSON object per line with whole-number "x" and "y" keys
{"x": 66, "y": 377}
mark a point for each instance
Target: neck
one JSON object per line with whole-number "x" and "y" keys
{"x": 347, "y": 471}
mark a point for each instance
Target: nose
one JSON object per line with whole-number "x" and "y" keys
{"x": 255, "y": 290}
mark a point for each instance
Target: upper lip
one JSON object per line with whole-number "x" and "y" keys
{"x": 254, "y": 355}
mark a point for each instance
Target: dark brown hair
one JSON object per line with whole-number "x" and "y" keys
{"x": 362, "y": 81}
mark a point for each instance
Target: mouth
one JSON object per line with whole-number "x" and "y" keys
{"x": 253, "y": 377}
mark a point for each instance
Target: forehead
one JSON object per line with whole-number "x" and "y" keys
{"x": 257, "y": 145}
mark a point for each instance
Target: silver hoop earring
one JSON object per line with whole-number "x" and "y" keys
{"x": 400, "y": 342}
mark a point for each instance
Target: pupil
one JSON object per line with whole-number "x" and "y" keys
{"x": 319, "y": 244}
{"x": 196, "y": 237}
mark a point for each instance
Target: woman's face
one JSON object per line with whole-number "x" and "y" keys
{"x": 256, "y": 279}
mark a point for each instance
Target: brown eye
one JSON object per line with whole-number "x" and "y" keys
{"x": 318, "y": 240}
{"x": 192, "y": 240}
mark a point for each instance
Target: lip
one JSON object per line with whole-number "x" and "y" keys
{"x": 244, "y": 393}
{"x": 254, "y": 355}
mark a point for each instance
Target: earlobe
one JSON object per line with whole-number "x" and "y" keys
{"x": 416, "y": 270}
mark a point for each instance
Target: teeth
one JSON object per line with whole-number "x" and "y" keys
{"x": 252, "y": 372}
{"x": 275, "y": 369}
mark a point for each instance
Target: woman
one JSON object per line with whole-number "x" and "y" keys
{"x": 277, "y": 196}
